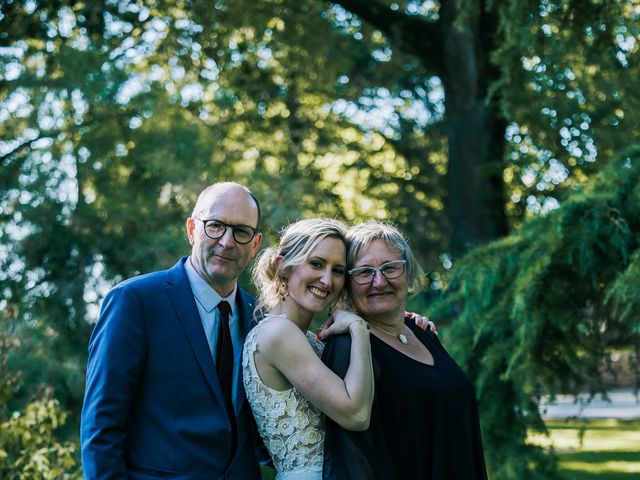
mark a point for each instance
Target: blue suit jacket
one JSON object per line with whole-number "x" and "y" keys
{"x": 153, "y": 406}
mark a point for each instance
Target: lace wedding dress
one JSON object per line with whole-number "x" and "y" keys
{"x": 292, "y": 428}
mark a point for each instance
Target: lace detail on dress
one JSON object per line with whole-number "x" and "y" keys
{"x": 291, "y": 427}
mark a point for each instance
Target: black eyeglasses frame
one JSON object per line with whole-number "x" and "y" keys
{"x": 254, "y": 231}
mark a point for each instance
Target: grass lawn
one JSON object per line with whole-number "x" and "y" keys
{"x": 595, "y": 449}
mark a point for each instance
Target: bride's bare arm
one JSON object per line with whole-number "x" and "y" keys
{"x": 284, "y": 350}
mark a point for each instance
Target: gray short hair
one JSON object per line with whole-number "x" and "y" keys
{"x": 361, "y": 235}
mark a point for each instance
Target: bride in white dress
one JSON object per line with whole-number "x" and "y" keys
{"x": 287, "y": 385}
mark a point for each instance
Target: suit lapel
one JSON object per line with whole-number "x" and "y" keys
{"x": 179, "y": 290}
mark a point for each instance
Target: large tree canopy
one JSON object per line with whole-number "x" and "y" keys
{"x": 528, "y": 93}
{"x": 457, "y": 120}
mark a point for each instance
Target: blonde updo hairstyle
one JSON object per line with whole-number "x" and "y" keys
{"x": 360, "y": 236}
{"x": 296, "y": 243}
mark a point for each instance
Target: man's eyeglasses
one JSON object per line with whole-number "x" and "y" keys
{"x": 215, "y": 229}
{"x": 389, "y": 270}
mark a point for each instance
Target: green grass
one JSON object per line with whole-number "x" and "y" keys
{"x": 595, "y": 449}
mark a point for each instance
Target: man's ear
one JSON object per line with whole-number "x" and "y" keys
{"x": 190, "y": 228}
{"x": 256, "y": 243}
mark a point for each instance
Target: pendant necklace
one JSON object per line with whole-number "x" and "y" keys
{"x": 401, "y": 336}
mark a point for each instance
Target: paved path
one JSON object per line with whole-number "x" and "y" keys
{"x": 623, "y": 405}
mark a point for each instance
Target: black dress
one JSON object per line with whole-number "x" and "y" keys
{"x": 424, "y": 422}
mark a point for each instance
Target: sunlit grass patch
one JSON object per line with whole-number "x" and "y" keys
{"x": 594, "y": 449}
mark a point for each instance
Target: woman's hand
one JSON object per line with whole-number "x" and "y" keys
{"x": 422, "y": 322}
{"x": 339, "y": 322}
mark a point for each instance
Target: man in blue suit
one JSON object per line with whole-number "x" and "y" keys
{"x": 155, "y": 403}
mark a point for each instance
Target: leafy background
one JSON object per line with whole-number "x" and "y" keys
{"x": 501, "y": 137}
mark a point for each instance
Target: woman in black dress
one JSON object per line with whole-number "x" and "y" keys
{"x": 424, "y": 422}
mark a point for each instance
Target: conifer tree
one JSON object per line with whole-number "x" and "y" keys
{"x": 539, "y": 311}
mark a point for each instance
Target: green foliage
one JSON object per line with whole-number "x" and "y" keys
{"x": 114, "y": 115}
{"x": 29, "y": 439}
{"x": 538, "y": 311}
{"x": 29, "y": 447}
{"x": 564, "y": 87}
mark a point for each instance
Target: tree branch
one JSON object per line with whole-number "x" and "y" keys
{"x": 413, "y": 34}
{"x": 17, "y": 149}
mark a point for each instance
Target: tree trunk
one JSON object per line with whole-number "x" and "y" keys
{"x": 458, "y": 50}
{"x": 475, "y": 133}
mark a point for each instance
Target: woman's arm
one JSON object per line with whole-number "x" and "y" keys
{"x": 284, "y": 354}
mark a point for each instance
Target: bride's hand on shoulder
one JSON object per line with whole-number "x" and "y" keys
{"x": 339, "y": 322}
